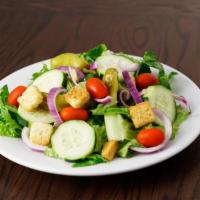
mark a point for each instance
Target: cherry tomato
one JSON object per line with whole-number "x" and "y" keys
{"x": 146, "y": 79}
{"x": 15, "y": 94}
{"x": 70, "y": 113}
{"x": 150, "y": 137}
{"x": 97, "y": 88}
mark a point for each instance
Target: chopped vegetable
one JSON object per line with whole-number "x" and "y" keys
{"x": 51, "y": 101}
{"x": 129, "y": 80}
{"x": 8, "y": 126}
{"x": 42, "y": 71}
{"x": 181, "y": 115}
{"x": 145, "y": 80}
{"x": 92, "y": 54}
{"x": 68, "y": 59}
{"x": 150, "y": 137}
{"x": 101, "y": 138}
{"x": 117, "y": 128}
{"x": 183, "y": 101}
{"x": 111, "y": 80}
{"x": 15, "y": 94}
{"x": 97, "y": 88}
{"x": 104, "y": 100}
{"x": 80, "y": 74}
{"x": 150, "y": 60}
{"x": 110, "y": 110}
{"x": 70, "y": 113}
{"x": 120, "y": 63}
{"x": 124, "y": 96}
{"x": 165, "y": 79}
{"x": 90, "y": 160}
{"x": 124, "y": 147}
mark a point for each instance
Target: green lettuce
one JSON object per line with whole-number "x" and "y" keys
{"x": 150, "y": 60}
{"x": 181, "y": 115}
{"x": 90, "y": 160}
{"x": 42, "y": 71}
{"x": 109, "y": 109}
{"x": 124, "y": 147}
{"x": 92, "y": 54}
{"x": 101, "y": 137}
{"x": 11, "y": 123}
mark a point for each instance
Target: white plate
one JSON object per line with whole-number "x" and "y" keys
{"x": 15, "y": 150}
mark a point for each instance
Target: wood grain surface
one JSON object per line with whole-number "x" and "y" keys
{"x": 34, "y": 30}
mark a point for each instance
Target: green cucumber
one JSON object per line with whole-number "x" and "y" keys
{"x": 73, "y": 140}
{"x": 114, "y": 61}
{"x": 36, "y": 116}
{"x": 49, "y": 80}
{"x": 162, "y": 99}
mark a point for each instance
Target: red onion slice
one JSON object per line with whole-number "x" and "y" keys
{"x": 183, "y": 101}
{"x": 124, "y": 96}
{"x": 105, "y": 100}
{"x": 93, "y": 66}
{"x": 64, "y": 69}
{"x": 28, "y": 143}
{"x": 132, "y": 87}
{"x": 168, "y": 132}
{"x": 51, "y": 102}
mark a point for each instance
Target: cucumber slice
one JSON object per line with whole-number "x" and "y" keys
{"x": 49, "y": 80}
{"x": 36, "y": 116}
{"x": 117, "y": 127}
{"x": 115, "y": 61}
{"x": 73, "y": 140}
{"x": 162, "y": 99}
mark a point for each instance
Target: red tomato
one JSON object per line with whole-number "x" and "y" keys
{"x": 15, "y": 94}
{"x": 97, "y": 88}
{"x": 146, "y": 79}
{"x": 70, "y": 113}
{"x": 150, "y": 137}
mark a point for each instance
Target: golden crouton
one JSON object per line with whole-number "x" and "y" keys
{"x": 30, "y": 99}
{"x": 142, "y": 114}
{"x": 109, "y": 149}
{"x": 40, "y": 133}
{"x": 77, "y": 97}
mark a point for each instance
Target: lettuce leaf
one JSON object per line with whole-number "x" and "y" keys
{"x": 90, "y": 160}
{"x": 92, "y": 54}
{"x": 8, "y": 126}
{"x": 181, "y": 115}
{"x": 109, "y": 109}
{"x": 10, "y": 122}
{"x": 101, "y": 137}
{"x": 150, "y": 60}
{"x": 42, "y": 71}
{"x": 165, "y": 79}
{"x": 124, "y": 150}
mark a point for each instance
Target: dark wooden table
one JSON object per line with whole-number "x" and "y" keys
{"x": 34, "y": 30}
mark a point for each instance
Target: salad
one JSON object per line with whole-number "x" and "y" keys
{"x": 92, "y": 107}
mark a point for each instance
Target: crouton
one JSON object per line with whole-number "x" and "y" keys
{"x": 142, "y": 114}
{"x": 40, "y": 133}
{"x": 77, "y": 97}
{"x": 109, "y": 149}
{"x": 30, "y": 99}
